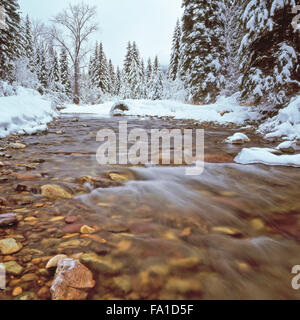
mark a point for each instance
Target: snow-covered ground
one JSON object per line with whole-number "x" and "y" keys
{"x": 225, "y": 110}
{"x": 26, "y": 112}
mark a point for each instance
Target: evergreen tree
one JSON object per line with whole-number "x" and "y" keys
{"x": 135, "y": 75}
{"x": 176, "y": 53}
{"x": 118, "y": 82}
{"x": 10, "y": 39}
{"x": 93, "y": 73}
{"x": 156, "y": 85}
{"x": 203, "y": 52}
{"x": 65, "y": 73}
{"x": 270, "y": 52}
{"x": 128, "y": 58}
{"x": 102, "y": 72}
{"x": 42, "y": 70}
{"x": 54, "y": 73}
{"x": 112, "y": 77}
{"x": 28, "y": 44}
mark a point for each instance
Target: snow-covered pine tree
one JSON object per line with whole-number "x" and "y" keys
{"x": 112, "y": 78}
{"x": 270, "y": 52}
{"x": 54, "y": 74}
{"x": 157, "y": 83}
{"x": 128, "y": 58}
{"x": 65, "y": 73}
{"x": 118, "y": 82}
{"x": 102, "y": 72}
{"x": 135, "y": 73}
{"x": 10, "y": 39}
{"x": 42, "y": 70}
{"x": 202, "y": 50}
{"x": 93, "y": 74}
{"x": 176, "y": 53}
{"x": 148, "y": 78}
{"x": 28, "y": 44}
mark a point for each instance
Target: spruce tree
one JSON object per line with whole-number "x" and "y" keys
{"x": 203, "y": 52}
{"x": 65, "y": 73}
{"x": 112, "y": 77}
{"x": 270, "y": 52}
{"x": 102, "y": 72}
{"x": 157, "y": 85}
{"x": 176, "y": 53}
{"x": 118, "y": 82}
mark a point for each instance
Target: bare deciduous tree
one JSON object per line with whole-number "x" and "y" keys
{"x": 78, "y": 22}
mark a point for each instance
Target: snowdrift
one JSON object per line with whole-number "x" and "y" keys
{"x": 26, "y": 112}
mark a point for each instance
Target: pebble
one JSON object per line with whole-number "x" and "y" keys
{"x": 17, "y": 291}
{"x": 53, "y": 262}
{"x": 73, "y": 228}
{"x": 12, "y": 267}
{"x": 29, "y": 277}
{"x": 87, "y": 230}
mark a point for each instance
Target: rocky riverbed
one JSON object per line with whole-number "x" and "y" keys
{"x": 144, "y": 233}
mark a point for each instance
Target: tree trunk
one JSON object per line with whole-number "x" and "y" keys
{"x": 76, "y": 99}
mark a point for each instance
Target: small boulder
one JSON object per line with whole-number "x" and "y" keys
{"x": 12, "y": 267}
{"x": 72, "y": 280}
{"x": 287, "y": 147}
{"x": 118, "y": 109}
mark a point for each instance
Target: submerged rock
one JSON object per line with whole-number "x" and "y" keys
{"x": 8, "y": 219}
{"x": 72, "y": 280}
{"x": 12, "y": 267}
{"x": 237, "y": 138}
{"x": 17, "y": 145}
{"x": 53, "y": 191}
{"x": 53, "y": 262}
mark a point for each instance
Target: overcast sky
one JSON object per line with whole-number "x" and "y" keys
{"x": 149, "y": 22}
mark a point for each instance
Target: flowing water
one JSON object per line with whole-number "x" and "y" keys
{"x": 231, "y": 233}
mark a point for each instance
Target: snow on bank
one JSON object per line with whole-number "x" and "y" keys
{"x": 26, "y": 112}
{"x": 286, "y": 124}
{"x": 267, "y": 156}
{"x": 225, "y": 110}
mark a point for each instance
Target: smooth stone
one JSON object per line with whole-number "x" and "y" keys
{"x": 17, "y": 145}
{"x": 17, "y": 291}
{"x": 12, "y": 267}
{"x": 55, "y": 192}
{"x": 71, "y": 219}
{"x": 29, "y": 277}
{"x": 9, "y": 246}
{"x": 27, "y": 296}
{"x": 73, "y": 228}
{"x": 87, "y": 230}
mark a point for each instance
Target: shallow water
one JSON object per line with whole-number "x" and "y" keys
{"x": 231, "y": 233}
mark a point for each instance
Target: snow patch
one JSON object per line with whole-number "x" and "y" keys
{"x": 26, "y": 112}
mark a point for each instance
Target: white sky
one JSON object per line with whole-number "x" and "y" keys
{"x": 149, "y": 22}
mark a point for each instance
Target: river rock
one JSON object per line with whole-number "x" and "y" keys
{"x": 12, "y": 267}
{"x": 87, "y": 230}
{"x": 73, "y": 228}
{"x": 72, "y": 280}
{"x": 53, "y": 262}
{"x": 53, "y": 191}
{"x": 237, "y": 138}
{"x": 9, "y": 246}
{"x": 17, "y": 145}
{"x": 8, "y": 219}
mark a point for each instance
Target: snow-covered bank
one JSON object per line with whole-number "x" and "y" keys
{"x": 26, "y": 112}
{"x": 286, "y": 124}
{"x": 267, "y": 156}
{"x": 225, "y": 110}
